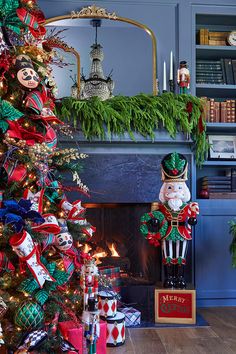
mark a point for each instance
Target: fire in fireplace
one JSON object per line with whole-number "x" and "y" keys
{"x": 118, "y": 242}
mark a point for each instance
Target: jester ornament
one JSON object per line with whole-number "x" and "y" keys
{"x": 170, "y": 221}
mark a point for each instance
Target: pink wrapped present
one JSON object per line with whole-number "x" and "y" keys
{"x": 102, "y": 340}
{"x": 73, "y": 333}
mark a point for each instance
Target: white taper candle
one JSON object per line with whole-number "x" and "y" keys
{"x": 164, "y": 77}
{"x": 171, "y": 65}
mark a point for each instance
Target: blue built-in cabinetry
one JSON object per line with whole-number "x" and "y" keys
{"x": 215, "y": 278}
{"x": 175, "y": 23}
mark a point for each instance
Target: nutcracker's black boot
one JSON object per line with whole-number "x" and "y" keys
{"x": 169, "y": 279}
{"x": 175, "y": 275}
{"x": 180, "y": 281}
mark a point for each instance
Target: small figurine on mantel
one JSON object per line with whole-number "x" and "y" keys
{"x": 171, "y": 219}
{"x": 183, "y": 77}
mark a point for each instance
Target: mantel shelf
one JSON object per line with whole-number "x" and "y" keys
{"x": 161, "y": 136}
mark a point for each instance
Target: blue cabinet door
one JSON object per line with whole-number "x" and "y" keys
{"x": 215, "y": 277}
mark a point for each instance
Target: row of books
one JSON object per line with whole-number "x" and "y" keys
{"x": 222, "y": 187}
{"x": 219, "y": 112}
{"x": 206, "y": 37}
{"x": 221, "y": 71}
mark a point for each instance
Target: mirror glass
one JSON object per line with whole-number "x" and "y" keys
{"x": 127, "y": 54}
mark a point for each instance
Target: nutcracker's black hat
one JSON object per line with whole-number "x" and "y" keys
{"x": 174, "y": 168}
{"x": 23, "y": 61}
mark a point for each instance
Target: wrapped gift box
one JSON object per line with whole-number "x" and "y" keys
{"x": 102, "y": 340}
{"x": 114, "y": 274}
{"x": 72, "y": 332}
{"x": 132, "y": 316}
{"x": 75, "y": 335}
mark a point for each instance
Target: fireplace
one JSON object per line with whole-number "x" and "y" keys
{"x": 118, "y": 242}
{"x": 124, "y": 180}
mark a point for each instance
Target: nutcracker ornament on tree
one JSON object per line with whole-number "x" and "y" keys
{"x": 183, "y": 77}
{"x": 171, "y": 219}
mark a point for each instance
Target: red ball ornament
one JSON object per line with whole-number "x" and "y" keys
{"x": 204, "y": 194}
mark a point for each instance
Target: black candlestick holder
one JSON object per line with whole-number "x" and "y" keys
{"x": 172, "y": 86}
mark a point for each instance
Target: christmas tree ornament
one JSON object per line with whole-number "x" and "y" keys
{"x": 89, "y": 281}
{"x": 3, "y": 307}
{"x": 63, "y": 240}
{"x": 28, "y": 252}
{"x": 178, "y": 214}
{"x": 26, "y": 75}
{"x": 50, "y": 225}
{"x": 3, "y": 46}
{"x": 5, "y": 264}
{"x": 183, "y": 77}
{"x": 17, "y": 213}
{"x": 7, "y": 113}
{"x": 32, "y": 341}
{"x": 32, "y": 21}
{"x": 29, "y": 316}
{"x": 1, "y": 336}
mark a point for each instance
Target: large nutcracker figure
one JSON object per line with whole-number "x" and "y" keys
{"x": 171, "y": 219}
{"x": 183, "y": 77}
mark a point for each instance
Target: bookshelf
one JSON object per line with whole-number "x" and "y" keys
{"x": 204, "y": 57}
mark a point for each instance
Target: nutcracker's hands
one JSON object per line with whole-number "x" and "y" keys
{"x": 192, "y": 221}
{"x": 153, "y": 225}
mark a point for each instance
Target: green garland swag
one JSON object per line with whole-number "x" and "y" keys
{"x": 232, "y": 248}
{"x": 142, "y": 114}
{"x": 153, "y": 237}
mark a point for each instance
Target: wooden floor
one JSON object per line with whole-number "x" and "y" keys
{"x": 218, "y": 338}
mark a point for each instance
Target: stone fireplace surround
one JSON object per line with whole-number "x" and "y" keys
{"x": 124, "y": 178}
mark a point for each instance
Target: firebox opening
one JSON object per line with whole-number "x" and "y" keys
{"x": 118, "y": 242}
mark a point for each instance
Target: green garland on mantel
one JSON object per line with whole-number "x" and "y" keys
{"x": 142, "y": 113}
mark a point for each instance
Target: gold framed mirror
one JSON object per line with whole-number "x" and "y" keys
{"x": 94, "y": 12}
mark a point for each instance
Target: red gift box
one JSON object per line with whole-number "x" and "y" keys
{"x": 114, "y": 274}
{"x": 102, "y": 340}
{"x": 75, "y": 335}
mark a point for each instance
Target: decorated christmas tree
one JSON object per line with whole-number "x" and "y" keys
{"x": 41, "y": 230}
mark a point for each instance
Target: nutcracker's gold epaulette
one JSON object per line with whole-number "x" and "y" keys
{"x": 154, "y": 206}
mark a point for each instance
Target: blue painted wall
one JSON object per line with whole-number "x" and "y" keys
{"x": 173, "y": 23}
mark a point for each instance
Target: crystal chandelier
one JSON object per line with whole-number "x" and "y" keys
{"x": 96, "y": 84}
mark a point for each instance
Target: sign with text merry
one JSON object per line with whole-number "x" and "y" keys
{"x": 175, "y": 306}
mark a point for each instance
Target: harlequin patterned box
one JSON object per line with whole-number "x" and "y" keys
{"x": 132, "y": 316}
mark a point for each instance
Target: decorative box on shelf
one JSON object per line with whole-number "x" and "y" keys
{"x": 175, "y": 306}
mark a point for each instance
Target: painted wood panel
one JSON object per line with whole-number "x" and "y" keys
{"x": 214, "y": 275}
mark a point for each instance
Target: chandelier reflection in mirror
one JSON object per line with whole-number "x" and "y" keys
{"x": 96, "y": 84}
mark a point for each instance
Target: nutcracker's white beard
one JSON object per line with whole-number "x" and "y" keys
{"x": 175, "y": 203}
